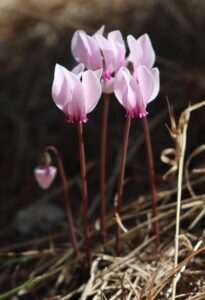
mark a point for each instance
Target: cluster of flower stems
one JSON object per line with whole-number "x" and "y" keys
{"x": 102, "y": 185}
{"x": 135, "y": 83}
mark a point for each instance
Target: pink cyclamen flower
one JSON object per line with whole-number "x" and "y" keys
{"x": 141, "y": 51}
{"x": 97, "y": 52}
{"x": 135, "y": 92}
{"x": 76, "y": 93}
{"x": 45, "y": 174}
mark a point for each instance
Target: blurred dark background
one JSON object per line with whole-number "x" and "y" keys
{"x": 34, "y": 36}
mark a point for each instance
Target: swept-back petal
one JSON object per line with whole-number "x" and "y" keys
{"x": 78, "y": 70}
{"x": 121, "y": 85}
{"x": 120, "y": 60}
{"x": 100, "y": 31}
{"x": 146, "y": 82}
{"x": 155, "y": 74}
{"x": 116, "y": 37}
{"x": 94, "y": 60}
{"x": 148, "y": 57}
{"x": 138, "y": 108}
{"x": 108, "y": 50}
{"x": 128, "y": 93}
{"x": 92, "y": 90}
{"x": 79, "y": 46}
{"x": 136, "y": 104}
{"x": 98, "y": 73}
{"x": 141, "y": 51}
{"x": 136, "y": 53}
{"x": 62, "y": 87}
{"x": 76, "y": 107}
{"x": 86, "y": 50}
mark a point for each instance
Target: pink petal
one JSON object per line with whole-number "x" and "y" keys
{"x": 136, "y": 53}
{"x": 98, "y": 73}
{"x": 78, "y": 70}
{"x": 141, "y": 51}
{"x": 45, "y": 175}
{"x": 85, "y": 50}
{"x": 148, "y": 51}
{"x": 76, "y": 107}
{"x": 94, "y": 61}
{"x": 121, "y": 87}
{"x": 129, "y": 95}
{"x": 115, "y": 37}
{"x": 126, "y": 90}
{"x": 108, "y": 50}
{"x": 79, "y": 47}
{"x": 62, "y": 87}
{"x": 120, "y": 60}
{"x": 139, "y": 109}
{"x": 136, "y": 105}
{"x": 100, "y": 31}
{"x": 91, "y": 90}
{"x": 146, "y": 82}
{"x": 155, "y": 74}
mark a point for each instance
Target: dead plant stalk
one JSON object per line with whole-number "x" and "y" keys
{"x": 183, "y": 139}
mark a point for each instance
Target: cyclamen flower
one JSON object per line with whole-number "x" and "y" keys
{"x": 97, "y": 52}
{"x": 135, "y": 92}
{"x": 76, "y": 93}
{"x": 45, "y": 174}
{"x": 141, "y": 51}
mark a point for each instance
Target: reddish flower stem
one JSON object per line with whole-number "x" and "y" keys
{"x": 103, "y": 168}
{"x": 152, "y": 181}
{"x": 84, "y": 193}
{"x": 120, "y": 181}
{"x": 70, "y": 223}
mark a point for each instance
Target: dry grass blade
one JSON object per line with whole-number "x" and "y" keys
{"x": 132, "y": 287}
{"x": 88, "y": 287}
{"x": 181, "y": 142}
{"x": 195, "y": 153}
{"x": 200, "y": 296}
{"x": 179, "y": 134}
{"x": 171, "y": 156}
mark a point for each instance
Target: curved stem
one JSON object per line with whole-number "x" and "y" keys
{"x": 84, "y": 192}
{"x": 120, "y": 181}
{"x": 152, "y": 181}
{"x": 103, "y": 168}
{"x": 70, "y": 223}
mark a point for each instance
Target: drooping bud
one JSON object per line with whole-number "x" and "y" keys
{"x": 45, "y": 173}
